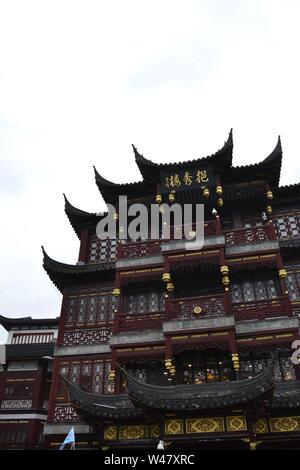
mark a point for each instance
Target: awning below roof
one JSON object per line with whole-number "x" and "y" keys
{"x": 143, "y": 397}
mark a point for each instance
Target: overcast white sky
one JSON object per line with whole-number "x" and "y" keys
{"x": 82, "y": 80}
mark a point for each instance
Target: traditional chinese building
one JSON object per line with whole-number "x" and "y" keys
{"x": 25, "y": 379}
{"x": 193, "y": 347}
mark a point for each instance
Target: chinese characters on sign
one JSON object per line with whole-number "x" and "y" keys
{"x": 186, "y": 179}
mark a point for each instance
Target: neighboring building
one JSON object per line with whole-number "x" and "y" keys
{"x": 195, "y": 324}
{"x": 25, "y": 378}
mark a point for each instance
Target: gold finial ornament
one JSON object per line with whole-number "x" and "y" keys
{"x": 112, "y": 375}
{"x": 224, "y": 270}
{"x": 269, "y": 210}
{"x": 168, "y": 363}
{"x": 225, "y": 281}
{"x": 171, "y": 197}
{"x": 172, "y": 370}
{"x": 220, "y": 202}
{"x": 219, "y": 190}
{"x": 158, "y": 198}
{"x": 116, "y": 216}
{"x": 236, "y": 361}
{"x": 269, "y": 195}
{"x": 206, "y": 192}
{"x": 166, "y": 277}
{"x": 116, "y": 292}
{"x": 282, "y": 273}
{"x": 170, "y": 286}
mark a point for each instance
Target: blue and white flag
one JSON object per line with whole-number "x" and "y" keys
{"x": 70, "y": 439}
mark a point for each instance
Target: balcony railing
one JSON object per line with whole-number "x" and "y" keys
{"x": 195, "y": 307}
{"x": 262, "y": 309}
{"x": 138, "y": 249}
{"x": 246, "y": 236}
{"x": 141, "y": 249}
{"x": 146, "y": 321}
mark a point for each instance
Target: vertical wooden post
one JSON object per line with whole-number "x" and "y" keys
{"x": 84, "y": 242}
{"x": 53, "y": 389}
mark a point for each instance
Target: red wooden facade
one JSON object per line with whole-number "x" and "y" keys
{"x": 174, "y": 316}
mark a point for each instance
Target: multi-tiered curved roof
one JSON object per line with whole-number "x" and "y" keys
{"x": 197, "y": 397}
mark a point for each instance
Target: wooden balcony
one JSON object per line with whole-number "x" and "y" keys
{"x": 252, "y": 235}
{"x": 191, "y": 308}
{"x": 145, "y": 321}
{"x": 138, "y": 249}
{"x": 141, "y": 249}
{"x": 262, "y": 309}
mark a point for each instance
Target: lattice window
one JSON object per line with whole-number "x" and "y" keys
{"x": 64, "y": 371}
{"x": 102, "y": 250}
{"x": 75, "y": 373}
{"x": 113, "y": 306}
{"x": 293, "y": 285}
{"x": 91, "y": 308}
{"x": 102, "y": 307}
{"x": 288, "y": 226}
{"x": 86, "y": 376}
{"x": 71, "y": 310}
{"x": 254, "y": 362}
{"x": 147, "y": 371}
{"x": 145, "y": 302}
{"x": 201, "y": 367}
{"x": 249, "y": 291}
{"x": 97, "y": 383}
{"x": 271, "y": 286}
{"x": 81, "y": 310}
{"x": 236, "y": 293}
{"x": 92, "y": 305}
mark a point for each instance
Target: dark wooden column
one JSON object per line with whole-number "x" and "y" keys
{"x": 62, "y": 319}
{"x": 84, "y": 243}
{"x": 53, "y": 389}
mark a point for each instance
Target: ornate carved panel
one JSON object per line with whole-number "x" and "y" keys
{"x": 261, "y": 426}
{"x": 65, "y": 413}
{"x": 100, "y": 335}
{"x": 203, "y": 425}
{"x": 154, "y": 431}
{"x": 16, "y": 404}
{"x": 174, "y": 426}
{"x": 133, "y": 432}
{"x": 236, "y": 423}
{"x": 110, "y": 433}
{"x": 285, "y": 424}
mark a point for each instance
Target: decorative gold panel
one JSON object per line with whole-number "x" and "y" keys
{"x": 154, "y": 431}
{"x": 285, "y": 424}
{"x": 110, "y": 433}
{"x": 261, "y": 426}
{"x": 174, "y": 426}
{"x": 204, "y": 425}
{"x": 133, "y": 432}
{"x": 236, "y": 423}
